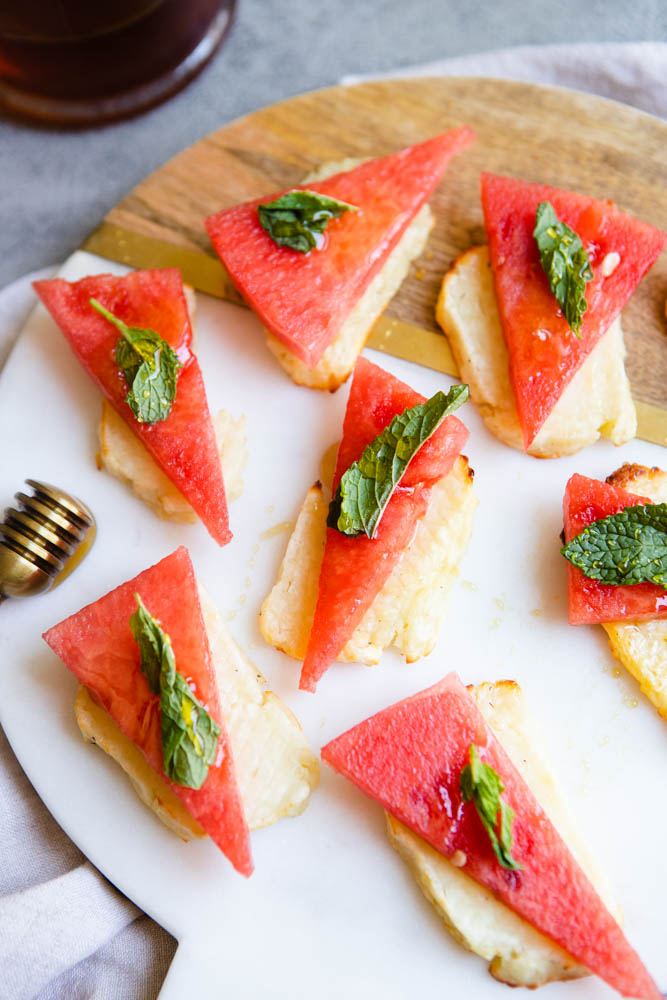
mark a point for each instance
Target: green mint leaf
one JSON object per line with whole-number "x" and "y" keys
{"x": 565, "y": 263}
{"x": 154, "y": 646}
{"x": 190, "y": 736}
{"x": 624, "y": 548}
{"x": 482, "y": 785}
{"x": 298, "y": 219}
{"x": 150, "y": 368}
{"x": 366, "y": 487}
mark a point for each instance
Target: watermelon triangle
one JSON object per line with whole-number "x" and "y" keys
{"x": 354, "y": 570}
{"x": 184, "y": 444}
{"x": 544, "y": 354}
{"x": 589, "y": 601}
{"x": 304, "y": 299}
{"x": 409, "y": 758}
{"x": 98, "y": 647}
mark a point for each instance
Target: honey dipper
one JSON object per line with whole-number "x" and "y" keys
{"x": 43, "y": 540}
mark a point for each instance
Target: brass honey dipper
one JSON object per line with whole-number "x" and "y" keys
{"x": 43, "y": 540}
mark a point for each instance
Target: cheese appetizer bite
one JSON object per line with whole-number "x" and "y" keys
{"x": 372, "y": 568}
{"x": 533, "y": 319}
{"x": 465, "y": 811}
{"x": 124, "y": 456}
{"x": 319, "y": 263}
{"x": 133, "y": 336}
{"x": 616, "y": 535}
{"x": 168, "y": 693}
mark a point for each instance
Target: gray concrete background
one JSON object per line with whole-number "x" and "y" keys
{"x": 56, "y": 185}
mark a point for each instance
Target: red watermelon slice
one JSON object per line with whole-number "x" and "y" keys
{"x": 304, "y": 299}
{"x": 589, "y": 601}
{"x": 184, "y": 444}
{"x": 354, "y": 570}
{"x": 544, "y": 354}
{"x": 97, "y": 645}
{"x": 409, "y": 758}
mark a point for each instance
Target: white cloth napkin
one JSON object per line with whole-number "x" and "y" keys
{"x": 65, "y": 932}
{"x": 634, "y": 73}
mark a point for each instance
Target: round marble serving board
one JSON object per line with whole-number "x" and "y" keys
{"x": 554, "y": 136}
{"x": 331, "y": 910}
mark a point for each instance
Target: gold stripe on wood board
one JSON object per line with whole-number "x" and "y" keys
{"x": 412, "y": 343}
{"x": 391, "y": 336}
{"x": 651, "y": 423}
{"x": 137, "y": 250}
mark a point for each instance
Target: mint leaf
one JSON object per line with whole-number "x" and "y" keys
{"x": 298, "y": 219}
{"x": 190, "y": 736}
{"x": 150, "y": 367}
{"x": 154, "y": 646}
{"x": 366, "y": 487}
{"x": 624, "y": 548}
{"x": 565, "y": 263}
{"x": 482, "y": 785}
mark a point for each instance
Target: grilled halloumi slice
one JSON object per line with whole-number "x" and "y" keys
{"x": 597, "y": 401}
{"x": 642, "y": 646}
{"x": 124, "y": 456}
{"x": 408, "y": 611}
{"x": 275, "y": 769}
{"x": 517, "y": 953}
{"x": 338, "y": 360}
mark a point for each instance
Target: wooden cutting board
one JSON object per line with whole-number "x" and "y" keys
{"x": 549, "y": 135}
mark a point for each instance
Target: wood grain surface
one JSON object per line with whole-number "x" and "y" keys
{"x": 547, "y": 135}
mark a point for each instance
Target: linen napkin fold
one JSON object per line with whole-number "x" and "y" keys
{"x": 65, "y": 932}
{"x": 56, "y": 911}
{"x": 631, "y": 72}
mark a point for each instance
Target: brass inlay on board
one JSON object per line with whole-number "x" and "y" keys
{"x": 137, "y": 250}
{"x": 412, "y": 343}
{"x": 391, "y": 336}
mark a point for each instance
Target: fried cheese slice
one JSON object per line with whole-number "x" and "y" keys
{"x": 517, "y": 953}
{"x": 596, "y": 403}
{"x": 275, "y": 769}
{"x": 642, "y": 646}
{"x": 124, "y": 456}
{"x": 408, "y": 611}
{"x": 338, "y": 360}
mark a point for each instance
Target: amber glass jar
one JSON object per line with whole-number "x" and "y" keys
{"x": 74, "y": 62}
